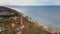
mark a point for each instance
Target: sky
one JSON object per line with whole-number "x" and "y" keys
{"x": 47, "y": 15}
{"x": 30, "y": 2}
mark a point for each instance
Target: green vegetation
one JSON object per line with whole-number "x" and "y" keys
{"x": 30, "y": 28}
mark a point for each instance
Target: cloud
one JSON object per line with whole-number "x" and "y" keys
{"x": 47, "y": 2}
{"x": 29, "y": 2}
{"x": 44, "y": 0}
{"x": 16, "y": 2}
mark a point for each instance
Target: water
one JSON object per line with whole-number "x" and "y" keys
{"x": 48, "y": 15}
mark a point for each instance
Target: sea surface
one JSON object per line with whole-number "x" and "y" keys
{"x": 47, "y": 15}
